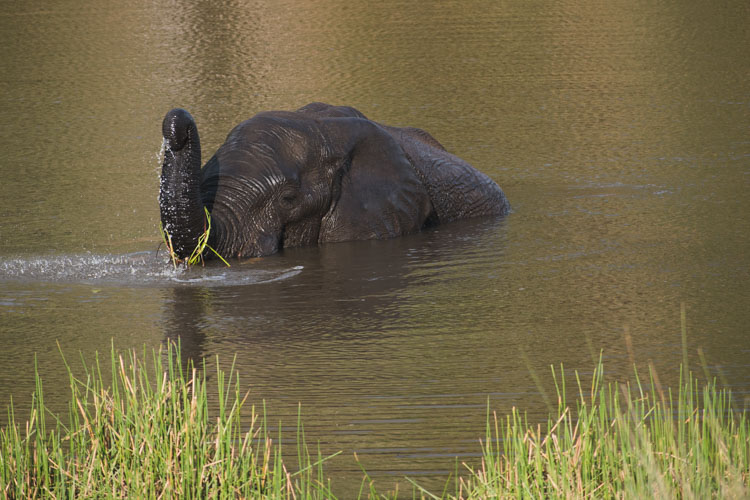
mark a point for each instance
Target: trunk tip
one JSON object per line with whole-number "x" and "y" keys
{"x": 176, "y": 127}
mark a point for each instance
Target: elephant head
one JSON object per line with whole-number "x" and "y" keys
{"x": 283, "y": 179}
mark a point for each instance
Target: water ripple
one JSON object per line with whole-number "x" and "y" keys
{"x": 133, "y": 269}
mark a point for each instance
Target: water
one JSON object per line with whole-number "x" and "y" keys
{"x": 619, "y": 132}
{"x": 136, "y": 269}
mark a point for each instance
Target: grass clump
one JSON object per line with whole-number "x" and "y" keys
{"x": 621, "y": 441}
{"x": 149, "y": 434}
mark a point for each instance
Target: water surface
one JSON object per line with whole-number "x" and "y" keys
{"x": 619, "y": 132}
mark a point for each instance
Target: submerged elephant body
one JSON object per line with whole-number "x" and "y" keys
{"x": 320, "y": 174}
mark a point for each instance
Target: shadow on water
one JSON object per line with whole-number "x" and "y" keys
{"x": 343, "y": 290}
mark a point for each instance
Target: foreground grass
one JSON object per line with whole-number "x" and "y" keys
{"x": 622, "y": 441}
{"x": 149, "y": 437}
{"x": 149, "y": 434}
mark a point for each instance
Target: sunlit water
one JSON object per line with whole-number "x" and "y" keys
{"x": 136, "y": 269}
{"x": 619, "y": 133}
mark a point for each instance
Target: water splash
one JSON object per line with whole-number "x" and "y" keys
{"x": 134, "y": 269}
{"x": 160, "y": 154}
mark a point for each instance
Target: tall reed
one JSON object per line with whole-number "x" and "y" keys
{"x": 149, "y": 434}
{"x": 621, "y": 441}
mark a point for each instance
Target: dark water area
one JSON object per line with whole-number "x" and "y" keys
{"x": 619, "y": 131}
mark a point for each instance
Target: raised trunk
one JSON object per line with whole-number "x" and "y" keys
{"x": 182, "y": 213}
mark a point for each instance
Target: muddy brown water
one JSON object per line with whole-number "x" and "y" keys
{"x": 619, "y": 131}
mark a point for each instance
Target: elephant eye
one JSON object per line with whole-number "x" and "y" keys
{"x": 288, "y": 199}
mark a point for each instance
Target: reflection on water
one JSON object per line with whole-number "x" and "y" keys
{"x": 618, "y": 131}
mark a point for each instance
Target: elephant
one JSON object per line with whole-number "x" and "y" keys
{"x": 320, "y": 174}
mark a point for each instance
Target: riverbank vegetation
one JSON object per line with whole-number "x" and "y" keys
{"x": 620, "y": 441}
{"x": 152, "y": 433}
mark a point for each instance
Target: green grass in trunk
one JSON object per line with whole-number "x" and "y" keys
{"x": 196, "y": 257}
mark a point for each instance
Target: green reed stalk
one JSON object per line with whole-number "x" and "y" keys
{"x": 149, "y": 434}
{"x": 621, "y": 441}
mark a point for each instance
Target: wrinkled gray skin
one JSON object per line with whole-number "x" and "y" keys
{"x": 320, "y": 174}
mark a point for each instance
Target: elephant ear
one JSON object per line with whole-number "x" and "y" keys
{"x": 378, "y": 194}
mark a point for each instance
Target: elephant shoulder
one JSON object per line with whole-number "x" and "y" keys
{"x": 323, "y": 110}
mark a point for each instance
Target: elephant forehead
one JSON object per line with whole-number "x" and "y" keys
{"x": 286, "y": 135}
{"x": 255, "y": 160}
{"x": 290, "y": 144}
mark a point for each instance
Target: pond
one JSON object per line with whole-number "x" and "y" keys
{"x": 619, "y": 132}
